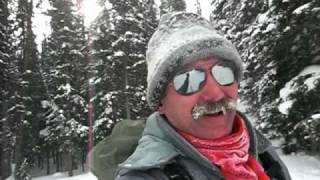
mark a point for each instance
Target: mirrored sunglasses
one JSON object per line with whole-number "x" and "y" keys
{"x": 191, "y": 81}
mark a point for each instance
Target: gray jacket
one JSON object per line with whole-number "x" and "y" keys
{"x": 161, "y": 145}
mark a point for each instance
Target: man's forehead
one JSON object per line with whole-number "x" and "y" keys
{"x": 200, "y": 62}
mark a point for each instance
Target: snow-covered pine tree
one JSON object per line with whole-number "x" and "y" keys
{"x": 45, "y": 146}
{"x": 277, "y": 40}
{"x": 128, "y": 59}
{"x": 279, "y": 56}
{"x": 129, "y": 26}
{"x": 297, "y": 51}
{"x": 102, "y": 36}
{"x": 171, "y": 6}
{"x": 198, "y": 6}
{"x": 67, "y": 85}
{"x": 246, "y": 23}
{"x": 28, "y": 112}
{"x": 5, "y": 91}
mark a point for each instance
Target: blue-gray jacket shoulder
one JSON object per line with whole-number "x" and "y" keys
{"x": 160, "y": 136}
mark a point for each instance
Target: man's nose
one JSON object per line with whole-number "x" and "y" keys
{"x": 211, "y": 91}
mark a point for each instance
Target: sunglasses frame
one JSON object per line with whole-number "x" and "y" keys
{"x": 223, "y": 63}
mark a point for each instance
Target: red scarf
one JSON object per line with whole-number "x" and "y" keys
{"x": 230, "y": 153}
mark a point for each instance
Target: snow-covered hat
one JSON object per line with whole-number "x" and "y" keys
{"x": 182, "y": 38}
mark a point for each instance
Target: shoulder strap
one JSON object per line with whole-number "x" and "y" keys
{"x": 175, "y": 171}
{"x": 273, "y": 165}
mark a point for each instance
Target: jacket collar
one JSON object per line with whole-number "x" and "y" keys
{"x": 159, "y": 135}
{"x": 153, "y": 138}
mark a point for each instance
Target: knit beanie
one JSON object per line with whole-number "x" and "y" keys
{"x": 182, "y": 38}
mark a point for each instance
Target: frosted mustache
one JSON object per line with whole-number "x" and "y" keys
{"x": 213, "y": 107}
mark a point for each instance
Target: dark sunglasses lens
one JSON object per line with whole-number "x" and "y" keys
{"x": 188, "y": 82}
{"x": 223, "y": 74}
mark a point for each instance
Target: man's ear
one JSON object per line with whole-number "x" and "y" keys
{"x": 161, "y": 109}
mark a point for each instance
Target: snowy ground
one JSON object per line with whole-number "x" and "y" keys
{"x": 301, "y": 167}
{"x": 63, "y": 176}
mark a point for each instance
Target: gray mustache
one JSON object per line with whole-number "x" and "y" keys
{"x": 213, "y": 107}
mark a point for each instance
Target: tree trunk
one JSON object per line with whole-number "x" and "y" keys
{"x": 126, "y": 91}
{"x": 57, "y": 162}
{"x": 68, "y": 164}
{"x": 83, "y": 160}
{"x": 19, "y": 146}
{"x": 48, "y": 161}
{"x": 5, "y": 155}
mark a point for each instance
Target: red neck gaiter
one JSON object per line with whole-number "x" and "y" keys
{"x": 230, "y": 153}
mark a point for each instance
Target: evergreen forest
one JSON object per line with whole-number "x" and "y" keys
{"x": 61, "y": 97}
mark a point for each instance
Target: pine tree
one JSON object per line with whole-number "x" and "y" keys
{"x": 238, "y": 22}
{"x": 5, "y": 91}
{"x": 171, "y": 6}
{"x": 102, "y": 35}
{"x": 297, "y": 50}
{"x": 29, "y": 95}
{"x": 198, "y": 6}
{"x": 277, "y": 40}
{"x": 66, "y": 81}
{"x": 119, "y": 47}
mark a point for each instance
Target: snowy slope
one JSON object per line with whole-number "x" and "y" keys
{"x": 62, "y": 176}
{"x": 301, "y": 167}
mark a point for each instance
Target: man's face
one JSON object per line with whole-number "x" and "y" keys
{"x": 178, "y": 107}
